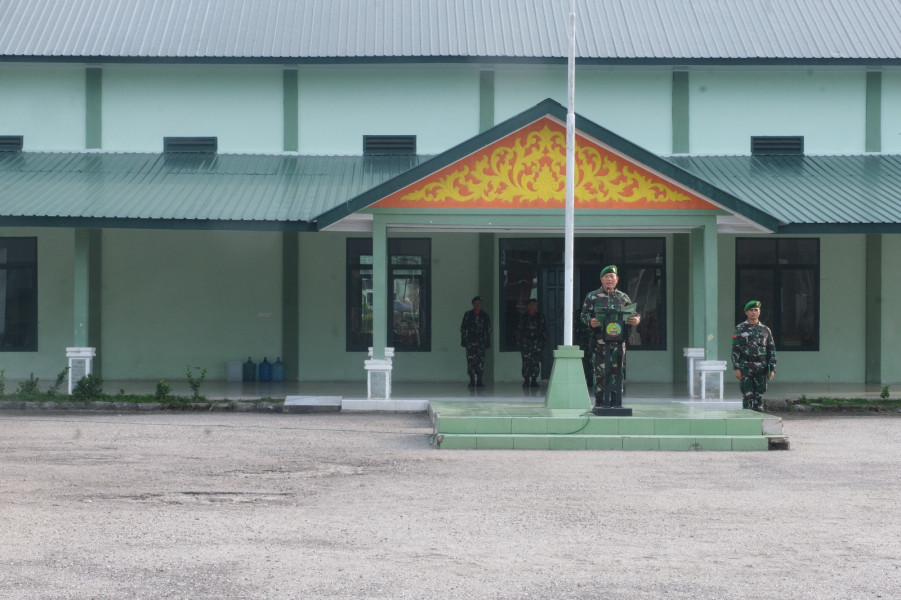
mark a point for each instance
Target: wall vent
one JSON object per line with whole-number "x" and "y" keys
{"x": 777, "y": 144}
{"x": 389, "y": 144}
{"x": 190, "y": 145}
{"x": 11, "y": 143}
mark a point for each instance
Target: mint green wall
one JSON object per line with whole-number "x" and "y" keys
{"x": 891, "y": 309}
{"x": 44, "y": 104}
{"x": 891, "y": 117}
{"x": 242, "y": 107}
{"x": 635, "y": 105}
{"x": 842, "y": 315}
{"x": 827, "y": 107}
{"x": 339, "y": 106}
{"x": 322, "y": 310}
{"x": 174, "y": 298}
{"x": 55, "y": 313}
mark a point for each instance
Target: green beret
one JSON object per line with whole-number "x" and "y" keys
{"x": 609, "y": 269}
{"x": 752, "y": 304}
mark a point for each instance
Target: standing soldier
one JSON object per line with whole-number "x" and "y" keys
{"x": 475, "y": 336}
{"x": 603, "y": 311}
{"x": 531, "y": 336}
{"x": 753, "y": 357}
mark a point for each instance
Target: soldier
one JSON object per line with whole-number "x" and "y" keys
{"x": 531, "y": 336}
{"x": 753, "y": 357}
{"x": 475, "y": 336}
{"x": 600, "y": 312}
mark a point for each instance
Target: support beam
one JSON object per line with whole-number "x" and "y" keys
{"x": 711, "y": 289}
{"x": 379, "y": 287}
{"x": 87, "y": 311}
{"x": 291, "y": 305}
{"x": 873, "y": 141}
{"x": 873, "y": 303}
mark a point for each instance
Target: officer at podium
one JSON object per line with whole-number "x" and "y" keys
{"x": 606, "y": 311}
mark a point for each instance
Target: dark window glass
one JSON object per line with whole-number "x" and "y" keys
{"x": 533, "y": 268}
{"x": 409, "y": 284}
{"x": 755, "y": 252}
{"x": 18, "y": 294}
{"x": 785, "y": 278}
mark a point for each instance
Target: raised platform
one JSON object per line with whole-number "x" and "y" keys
{"x": 665, "y": 426}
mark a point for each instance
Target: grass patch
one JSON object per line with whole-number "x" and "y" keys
{"x": 860, "y": 404}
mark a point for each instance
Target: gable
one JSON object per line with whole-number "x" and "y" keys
{"x": 526, "y": 169}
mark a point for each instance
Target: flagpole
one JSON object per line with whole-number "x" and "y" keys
{"x": 570, "y": 182}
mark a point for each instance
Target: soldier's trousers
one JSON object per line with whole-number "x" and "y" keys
{"x": 531, "y": 362}
{"x": 599, "y": 367}
{"x": 752, "y": 386}
{"x": 475, "y": 361}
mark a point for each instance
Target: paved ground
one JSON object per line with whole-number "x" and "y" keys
{"x": 361, "y": 506}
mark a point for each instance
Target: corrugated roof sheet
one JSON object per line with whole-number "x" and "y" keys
{"x": 272, "y": 189}
{"x": 809, "y": 190}
{"x": 281, "y": 191}
{"x": 609, "y": 31}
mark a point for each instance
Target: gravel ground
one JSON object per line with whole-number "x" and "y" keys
{"x": 221, "y": 505}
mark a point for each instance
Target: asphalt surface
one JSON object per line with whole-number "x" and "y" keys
{"x": 223, "y": 505}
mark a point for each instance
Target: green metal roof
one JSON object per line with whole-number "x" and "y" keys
{"x": 614, "y": 31}
{"x": 230, "y": 191}
{"x": 815, "y": 194}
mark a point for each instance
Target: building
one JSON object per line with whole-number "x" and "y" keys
{"x": 192, "y": 182}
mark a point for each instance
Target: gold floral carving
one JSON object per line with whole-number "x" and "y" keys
{"x": 528, "y": 170}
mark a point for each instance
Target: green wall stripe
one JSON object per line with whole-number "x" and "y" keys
{"x": 93, "y": 123}
{"x": 874, "y": 112}
{"x": 486, "y": 100}
{"x": 680, "y": 112}
{"x": 873, "y": 361}
{"x": 291, "y": 305}
{"x": 291, "y": 103}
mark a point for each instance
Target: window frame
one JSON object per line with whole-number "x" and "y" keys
{"x": 30, "y": 267}
{"x": 356, "y": 249}
{"x": 546, "y": 251}
{"x": 772, "y": 311}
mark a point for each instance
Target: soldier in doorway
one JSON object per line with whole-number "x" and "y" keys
{"x": 753, "y": 357}
{"x": 475, "y": 336}
{"x": 531, "y": 336}
{"x": 604, "y": 311}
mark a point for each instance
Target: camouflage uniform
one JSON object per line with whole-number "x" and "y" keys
{"x": 594, "y": 305}
{"x": 531, "y": 336}
{"x": 754, "y": 354}
{"x": 475, "y": 336}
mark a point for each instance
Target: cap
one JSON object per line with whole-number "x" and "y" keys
{"x": 609, "y": 269}
{"x": 752, "y": 304}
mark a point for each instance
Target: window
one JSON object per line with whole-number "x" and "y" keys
{"x": 533, "y": 268}
{"x": 784, "y": 274}
{"x": 18, "y": 294}
{"x": 409, "y": 291}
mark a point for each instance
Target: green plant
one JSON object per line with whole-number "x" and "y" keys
{"x": 884, "y": 394}
{"x": 29, "y": 387}
{"x": 88, "y": 388}
{"x": 163, "y": 391}
{"x": 195, "y": 382}
{"x": 2, "y": 382}
{"x": 60, "y": 379}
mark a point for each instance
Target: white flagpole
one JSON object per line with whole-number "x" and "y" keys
{"x": 570, "y": 183}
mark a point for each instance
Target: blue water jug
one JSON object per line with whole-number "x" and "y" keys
{"x": 278, "y": 370}
{"x": 249, "y": 371}
{"x": 265, "y": 370}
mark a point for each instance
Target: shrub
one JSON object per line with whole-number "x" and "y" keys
{"x": 195, "y": 382}
{"x": 88, "y": 388}
{"x": 29, "y": 387}
{"x": 60, "y": 379}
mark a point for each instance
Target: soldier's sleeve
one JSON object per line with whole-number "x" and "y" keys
{"x": 585, "y": 315}
{"x": 770, "y": 351}
{"x": 736, "y": 349}
{"x": 542, "y": 330}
